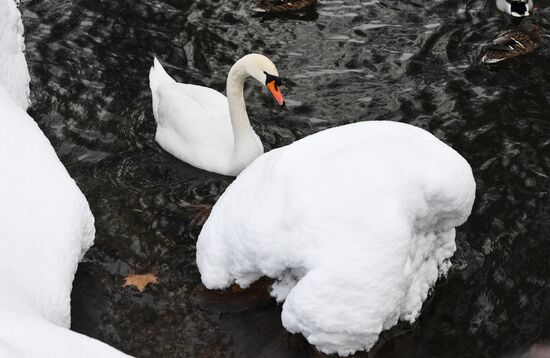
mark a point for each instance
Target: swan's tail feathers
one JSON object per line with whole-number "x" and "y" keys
{"x": 157, "y": 78}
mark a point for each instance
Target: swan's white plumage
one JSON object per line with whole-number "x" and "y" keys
{"x": 356, "y": 223}
{"x": 201, "y": 126}
{"x": 192, "y": 121}
{"x": 158, "y": 78}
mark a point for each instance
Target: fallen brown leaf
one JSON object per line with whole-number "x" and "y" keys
{"x": 140, "y": 281}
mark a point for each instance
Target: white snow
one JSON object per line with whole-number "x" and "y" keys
{"x": 356, "y": 223}
{"x": 26, "y": 334}
{"x": 14, "y": 75}
{"x": 46, "y": 225}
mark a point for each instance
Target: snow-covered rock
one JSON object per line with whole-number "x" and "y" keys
{"x": 46, "y": 225}
{"x": 14, "y": 74}
{"x": 356, "y": 223}
{"x": 26, "y": 334}
{"x": 45, "y": 228}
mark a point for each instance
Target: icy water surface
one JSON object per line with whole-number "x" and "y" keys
{"x": 410, "y": 61}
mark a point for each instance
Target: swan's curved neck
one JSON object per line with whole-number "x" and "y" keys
{"x": 243, "y": 133}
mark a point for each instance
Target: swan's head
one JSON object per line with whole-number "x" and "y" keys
{"x": 264, "y": 71}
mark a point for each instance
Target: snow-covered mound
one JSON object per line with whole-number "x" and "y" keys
{"x": 45, "y": 222}
{"x": 356, "y": 223}
{"x": 26, "y": 334}
{"x": 46, "y": 225}
{"x": 45, "y": 228}
{"x": 14, "y": 75}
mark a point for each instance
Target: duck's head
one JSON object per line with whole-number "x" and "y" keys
{"x": 265, "y": 72}
{"x": 516, "y": 8}
{"x": 530, "y": 26}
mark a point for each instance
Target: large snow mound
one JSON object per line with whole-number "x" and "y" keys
{"x": 14, "y": 74}
{"x": 355, "y": 223}
{"x": 46, "y": 226}
{"x": 25, "y": 334}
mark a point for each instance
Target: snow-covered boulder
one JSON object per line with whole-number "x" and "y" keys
{"x": 45, "y": 228}
{"x": 46, "y": 225}
{"x": 355, "y": 223}
{"x": 26, "y": 334}
{"x": 14, "y": 74}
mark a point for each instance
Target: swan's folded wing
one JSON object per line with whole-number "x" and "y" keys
{"x": 194, "y": 122}
{"x": 191, "y": 102}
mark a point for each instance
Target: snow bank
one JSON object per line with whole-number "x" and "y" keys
{"x": 14, "y": 75}
{"x": 46, "y": 225}
{"x": 45, "y": 228}
{"x": 356, "y": 223}
{"x": 24, "y": 333}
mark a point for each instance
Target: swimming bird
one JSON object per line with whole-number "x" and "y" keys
{"x": 516, "y": 8}
{"x": 514, "y": 43}
{"x": 284, "y": 6}
{"x": 204, "y": 128}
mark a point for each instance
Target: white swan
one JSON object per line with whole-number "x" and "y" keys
{"x": 516, "y": 8}
{"x": 202, "y": 127}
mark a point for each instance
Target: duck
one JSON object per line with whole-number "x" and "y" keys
{"x": 514, "y": 43}
{"x": 204, "y": 128}
{"x": 354, "y": 223}
{"x": 516, "y": 8}
{"x": 282, "y": 6}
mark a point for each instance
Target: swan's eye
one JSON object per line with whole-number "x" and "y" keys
{"x": 270, "y": 78}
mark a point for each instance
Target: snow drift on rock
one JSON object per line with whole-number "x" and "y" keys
{"x": 45, "y": 228}
{"x": 25, "y": 334}
{"x": 356, "y": 223}
{"x": 45, "y": 222}
{"x": 14, "y": 75}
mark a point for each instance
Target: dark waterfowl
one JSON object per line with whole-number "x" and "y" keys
{"x": 514, "y": 43}
{"x": 516, "y": 8}
{"x": 282, "y": 6}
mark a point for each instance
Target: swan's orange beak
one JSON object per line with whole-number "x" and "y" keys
{"x": 276, "y": 92}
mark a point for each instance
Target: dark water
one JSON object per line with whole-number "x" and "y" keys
{"x": 410, "y": 61}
